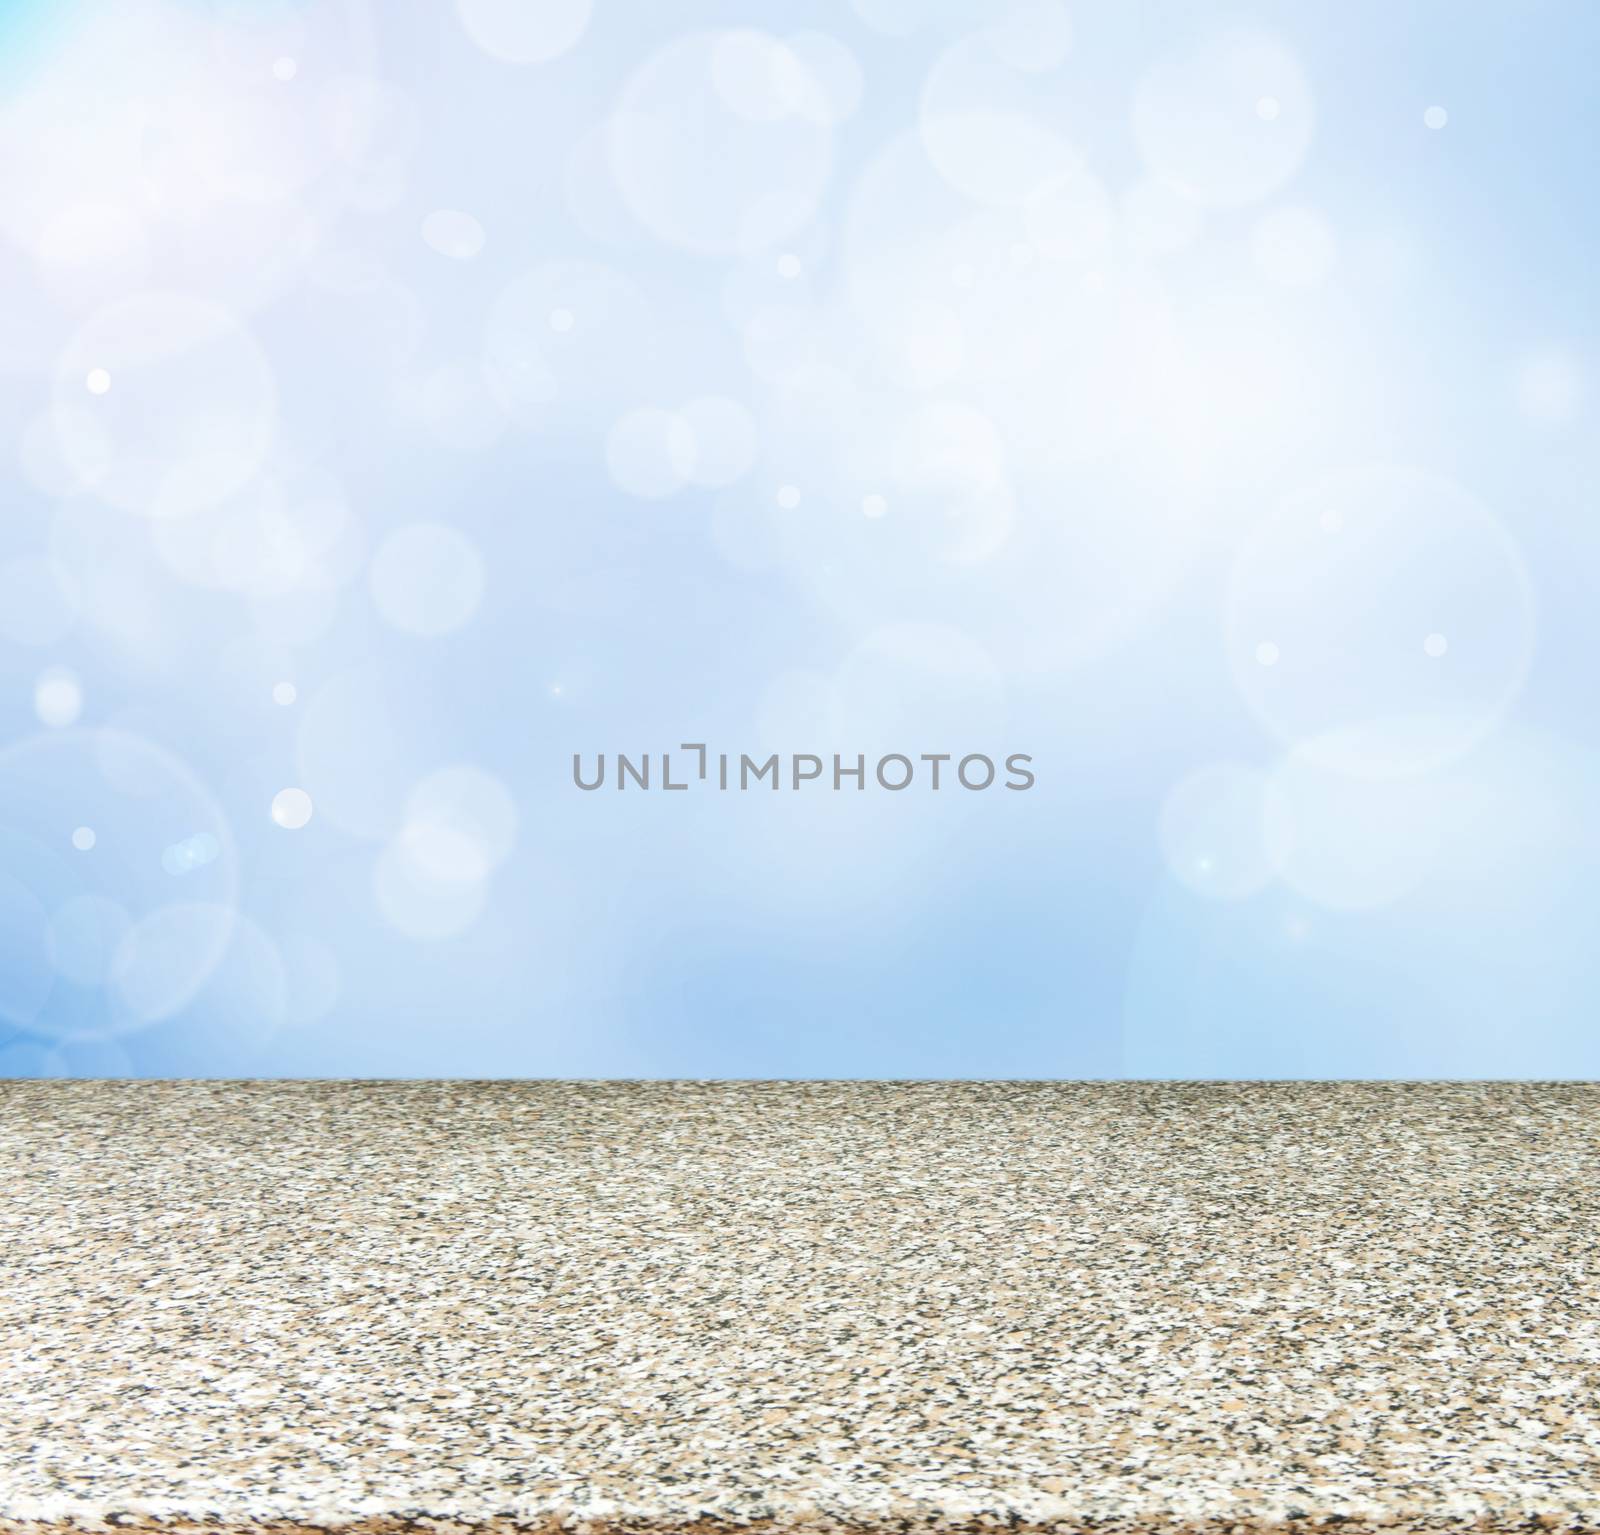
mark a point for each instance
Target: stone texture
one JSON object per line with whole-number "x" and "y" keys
{"x": 811, "y": 1306}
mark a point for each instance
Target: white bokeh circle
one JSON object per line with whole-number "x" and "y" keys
{"x": 273, "y": 539}
{"x": 1069, "y": 216}
{"x": 85, "y": 934}
{"x": 27, "y": 973}
{"x": 414, "y": 899}
{"x": 751, "y": 95}
{"x": 373, "y": 127}
{"x": 1031, "y": 35}
{"x": 525, "y": 31}
{"x": 1414, "y": 917}
{"x": 167, "y": 144}
{"x": 568, "y": 337}
{"x": 650, "y": 452}
{"x": 115, "y": 935}
{"x": 835, "y": 75}
{"x": 725, "y": 438}
{"x": 427, "y": 578}
{"x": 39, "y": 600}
{"x": 292, "y": 808}
{"x": 1550, "y": 385}
{"x": 1344, "y": 581}
{"x": 460, "y": 824}
{"x": 1198, "y": 124}
{"x": 245, "y": 1000}
{"x": 1225, "y": 830}
{"x": 351, "y": 755}
{"x": 58, "y": 697}
{"x": 192, "y": 414}
{"x": 986, "y": 129}
{"x": 1055, "y": 345}
{"x": 456, "y": 403}
{"x": 45, "y": 461}
{"x": 1360, "y": 841}
{"x": 453, "y": 233}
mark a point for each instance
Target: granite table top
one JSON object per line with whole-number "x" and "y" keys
{"x": 659, "y": 1307}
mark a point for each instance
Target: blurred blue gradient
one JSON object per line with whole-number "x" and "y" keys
{"x": 399, "y": 401}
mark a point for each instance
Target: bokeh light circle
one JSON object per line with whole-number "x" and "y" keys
{"x": 725, "y": 439}
{"x": 752, "y": 96}
{"x": 565, "y": 339}
{"x": 115, "y": 933}
{"x": 427, "y": 578}
{"x": 26, "y": 970}
{"x": 150, "y": 967}
{"x": 1030, "y": 35}
{"x": 453, "y": 233}
{"x": 1343, "y": 582}
{"x": 461, "y": 823}
{"x": 1225, "y": 830}
{"x": 39, "y": 600}
{"x": 455, "y": 403}
{"x": 1415, "y": 916}
{"x": 525, "y": 31}
{"x": 414, "y": 899}
{"x": 351, "y": 754}
{"x": 191, "y": 417}
{"x": 1069, "y": 216}
{"x": 58, "y": 697}
{"x": 292, "y": 809}
{"x": 835, "y": 75}
{"x": 85, "y": 934}
{"x": 1198, "y": 124}
{"x": 1550, "y": 385}
{"x": 1360, "y": 841}
{"x": 273, "y": 539}
{"x": 245, "y": 1000}
{"x": 982, "y": 129}
{"x": 650, "y": 452}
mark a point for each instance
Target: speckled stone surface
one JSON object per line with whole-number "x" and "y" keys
{"x": 814, "y": 1306}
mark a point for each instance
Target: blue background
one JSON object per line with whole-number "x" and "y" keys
{"x": 1200, "y": 400}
